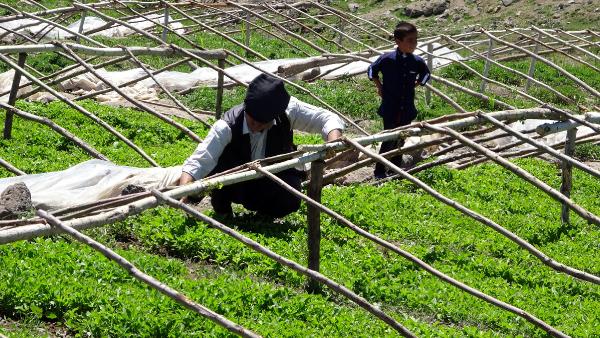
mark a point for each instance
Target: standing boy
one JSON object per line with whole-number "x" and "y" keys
{"x": 402, "y": 72}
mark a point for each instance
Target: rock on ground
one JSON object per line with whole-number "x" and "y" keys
{"x": 15, "y": 201}
{"x": 426, "y": 8}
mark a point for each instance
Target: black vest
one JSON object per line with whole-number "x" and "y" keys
{"x": 237, "y": 152}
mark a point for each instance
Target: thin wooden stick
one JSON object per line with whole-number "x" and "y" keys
{"x": 276, "y": 24}
{"x": 496, "y": 63}
{"x": 241, "y": 45}
{"x": 440, "y": 275}
{"x": 471, "y": 92}
{"x": 60, "y": 130}
{"x": 446, "y": 98}
{"x": 541, "y": 146}
{"x": 165, "y": 90}
{"x": 8, "y": 166}
{"x": 549, "y": 63}
{"x": 590, "y": 217}
{"x": 286, "y": 262}
{"x": 586, "y": 52}
{"x": 149, "y": 280}
{"x": 81, "y": 110}
{"x": 568, "y": 55}
{"x": 135, "y": 102}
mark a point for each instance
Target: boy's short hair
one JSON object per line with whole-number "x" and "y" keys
{"x": 404, "y": 28}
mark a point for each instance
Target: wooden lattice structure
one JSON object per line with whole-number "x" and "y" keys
{"x": 324, "y": 36}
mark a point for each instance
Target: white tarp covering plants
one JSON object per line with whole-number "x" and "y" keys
{"x": 90, "y": 181}
{"x": 36, "y": 28}
{"x": 205, "y": 76}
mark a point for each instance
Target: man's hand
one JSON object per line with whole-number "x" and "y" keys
{"x": 334, "y": 135}
{"x": 184, "y": 179}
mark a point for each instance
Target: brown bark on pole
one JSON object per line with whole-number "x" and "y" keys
{"x": 220, "y": 79}
{"x": 567, "y": 173}
{"x": 314, "y": 222}
{"x": 12, "y": 98}
{"x": 149, "y": 280}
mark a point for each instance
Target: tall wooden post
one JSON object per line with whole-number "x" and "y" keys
{"x": 219, "y": 103}
{"x": 341, "y": 29}
{"x": 486, "y": 68}
{"x": 248, "y": 28}
{"x": 165, "y": 23}
{"x": 314, "y": 222}
{"x": 567, "y": 173}
{"x": 536, "y": 49}
{"x": 12, "y": 98}
{"x": 81, "y": 23}
{"x": 430, "y": 66}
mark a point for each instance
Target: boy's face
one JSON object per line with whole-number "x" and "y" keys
{"x": 408, "y": 44}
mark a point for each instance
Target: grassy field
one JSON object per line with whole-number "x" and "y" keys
{"x": 50, "y": 286}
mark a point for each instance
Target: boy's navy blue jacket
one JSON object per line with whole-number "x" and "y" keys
{"x": 400, "y": 71}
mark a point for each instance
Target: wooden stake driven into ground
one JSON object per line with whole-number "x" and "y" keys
{"x": 149, "y": 280}
{"x": 286, "y": 262}
{"x": 438, "y": 274}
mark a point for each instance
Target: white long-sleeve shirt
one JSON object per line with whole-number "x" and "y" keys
{"x": 302, "y": 116}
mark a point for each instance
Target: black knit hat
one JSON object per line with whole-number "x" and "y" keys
{"x": 266, "y": 98}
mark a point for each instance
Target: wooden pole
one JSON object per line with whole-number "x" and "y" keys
{"x": 532, "y": 64}
{"x": 567, "y": 173}
{"x": 248, "y": 32}
{"x": 486, "y": 69}
{"x": 166, "y": 22}
{"x": 81, "y": 23}
{"x": 147, "y": 279}
{"x": 430, "y": 65}
{"x": 314, "y": 222}
{"x": 220, "y": 79}
{"x": 11, "y": 168}
{"x": 12, "y": 98}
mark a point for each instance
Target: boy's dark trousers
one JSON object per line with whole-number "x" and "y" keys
{"x": 390, "y": 123}
{"x": 261, "y": 195}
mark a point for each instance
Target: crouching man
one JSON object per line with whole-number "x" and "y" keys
{"x": 262, "y": 126}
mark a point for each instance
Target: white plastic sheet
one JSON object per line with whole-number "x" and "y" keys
{"x": 90, "y": 181}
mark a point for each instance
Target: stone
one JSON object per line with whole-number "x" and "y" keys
{"x": 426, "y": 8}
{"x": 507, "y": 2}
{"x": 15, "y": 201}
{"x": 353, "y": 7}
{"x": 132, "y": 189}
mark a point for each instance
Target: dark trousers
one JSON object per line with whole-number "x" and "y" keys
{"x": 261, "y": 195}
{"x": 390, "y": 123}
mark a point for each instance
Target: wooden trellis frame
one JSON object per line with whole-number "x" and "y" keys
{"x": 284, "y": 25}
